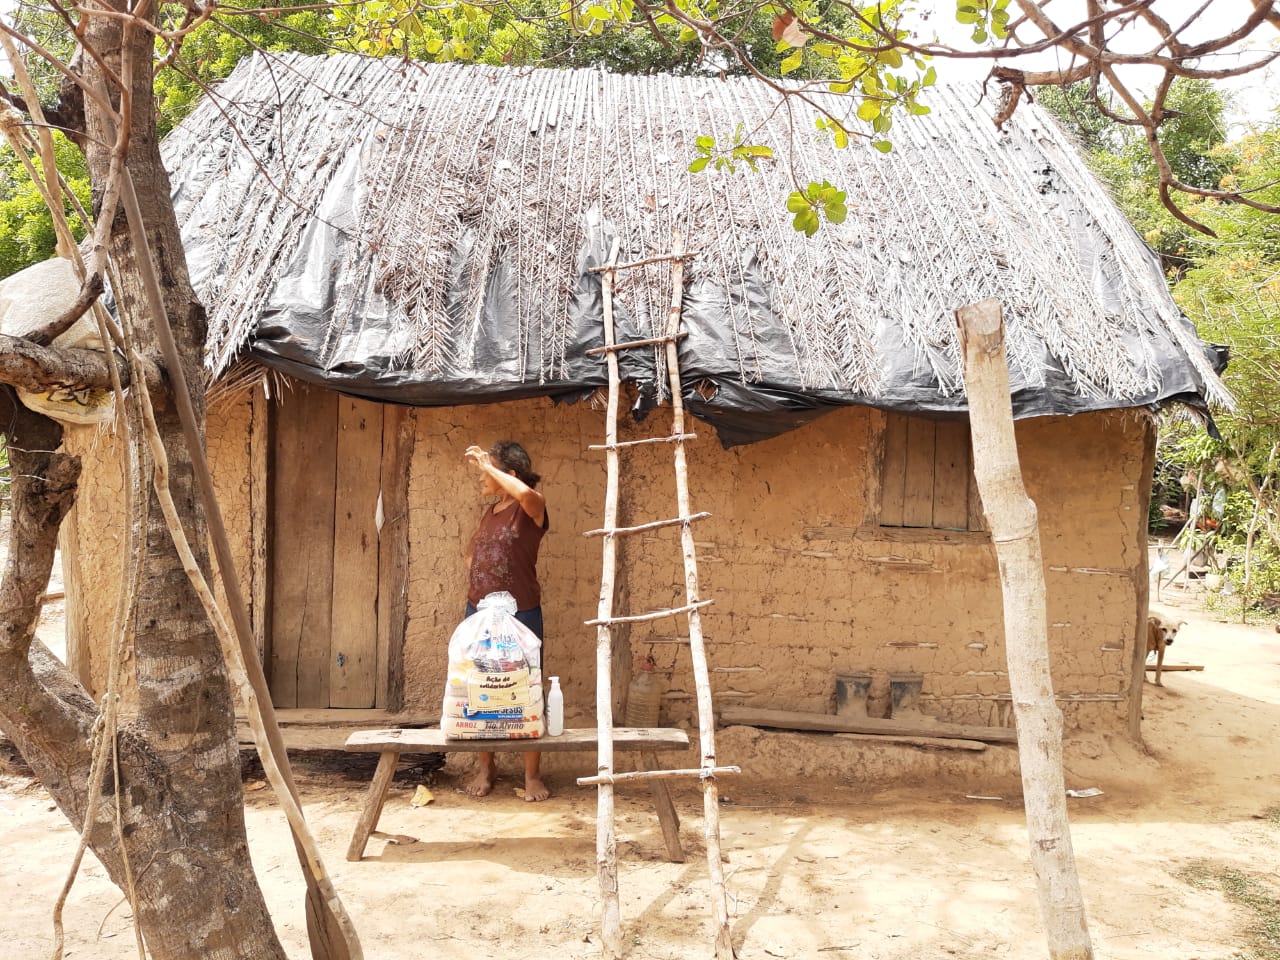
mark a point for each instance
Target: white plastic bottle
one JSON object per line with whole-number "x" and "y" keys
{"x": 555, "y": 709}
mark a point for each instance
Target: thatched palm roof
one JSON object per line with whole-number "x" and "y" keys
{"x": 424, "y": 233}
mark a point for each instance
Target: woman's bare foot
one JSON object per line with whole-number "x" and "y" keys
{"x": 480, "y": 783}
{"x": 534, "y": 788}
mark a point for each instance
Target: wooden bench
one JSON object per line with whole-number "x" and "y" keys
{"x": 648, "y": 741}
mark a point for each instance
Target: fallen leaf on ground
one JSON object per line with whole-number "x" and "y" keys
{"x": 421, "y": 797}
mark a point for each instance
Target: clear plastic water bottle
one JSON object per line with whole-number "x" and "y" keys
{"x": 555, "y": 709}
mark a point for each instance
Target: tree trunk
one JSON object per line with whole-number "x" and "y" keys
{"x": 180, "y": 793}
{"x": 1015, "y": 532}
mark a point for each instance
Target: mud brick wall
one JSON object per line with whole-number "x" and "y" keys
{"x": 803, "y": 589}
{"x": 801, "y": 593}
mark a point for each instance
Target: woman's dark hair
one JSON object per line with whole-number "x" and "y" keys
{"x": 510, "y": 457}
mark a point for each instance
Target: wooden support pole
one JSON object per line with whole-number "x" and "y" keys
{"x": 640, "y": 443}
{"x": 606, "y": 842}
{"x": 630, "y": 344}
{"x": 1141, "y": 581}
{"x": 641, "y": 528}
{"x": 1015, "y": 532}
{"x": 655, "y": 615}
{"x": 668, "y": 819}
{"x": 697, "y": 649}
{"x": 700, "y": 772}
{"x": 373, "y": 803}
{"x": 657, "y": 258}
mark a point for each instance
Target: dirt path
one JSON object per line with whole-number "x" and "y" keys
{"x": 814, "y": 870}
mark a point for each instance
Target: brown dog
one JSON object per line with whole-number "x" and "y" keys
{"x": 1160, "y": 634}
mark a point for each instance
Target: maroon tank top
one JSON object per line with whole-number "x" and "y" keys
{"x": 504, "y": 556}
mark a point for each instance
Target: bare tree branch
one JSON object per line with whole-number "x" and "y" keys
{"x": 90, "y": 290}
{"x": 67, "y": 370}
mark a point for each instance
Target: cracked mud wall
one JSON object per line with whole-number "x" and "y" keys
{"x": 803, "y": 588}
{"x": 802, "y": 592}
{"x": 94, "y": 542}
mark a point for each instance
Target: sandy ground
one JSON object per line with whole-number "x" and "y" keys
{"x": 814, "y": 870}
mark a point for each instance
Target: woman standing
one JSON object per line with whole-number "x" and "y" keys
{"x": 503, "y": 555}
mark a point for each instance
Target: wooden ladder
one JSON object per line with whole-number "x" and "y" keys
{"x": 606, "y": 851}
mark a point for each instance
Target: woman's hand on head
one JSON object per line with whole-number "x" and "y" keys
{"x": 479, "y": 456}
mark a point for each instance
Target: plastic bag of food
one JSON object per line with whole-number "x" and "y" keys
{"x": 494, "y": 687}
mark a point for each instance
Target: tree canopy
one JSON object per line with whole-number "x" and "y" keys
{"x": 1227, "y": 283}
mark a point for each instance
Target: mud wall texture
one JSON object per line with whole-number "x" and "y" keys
{"x": 94, "y": 543}
{"x": 804, "y": 587}
{"x": 803, "y": 590}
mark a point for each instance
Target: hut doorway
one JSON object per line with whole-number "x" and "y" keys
{"x": 335, "y": 567}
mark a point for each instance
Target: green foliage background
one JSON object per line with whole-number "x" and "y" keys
{"x": 1229, "y": 285}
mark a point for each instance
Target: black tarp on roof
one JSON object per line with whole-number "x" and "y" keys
{"x": 326, "y": 248}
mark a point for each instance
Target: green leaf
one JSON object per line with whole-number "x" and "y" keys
{"x": 599, "y": 12}
{"x": 892, "y": 57}
{"x": 918, "y": 109}
{"x": 688, "y": 35}
{"x": 842, "y": 138}
{"x": 792, "y": 62}
{"x": 836, "y": 212}
{"x": 979, "y": 35}
{"x": 869, "y": 110}
{"x": 806, "y": 221}
{"x": 699, "y": 165}
{"x": 797, "y": 202}
{"x": 705, "y": 144}
{"x": 930, "y": 77}
{"x": 964, "y": 16}
{"x": 434, "y": 45}
{"x": 884, "y": 146}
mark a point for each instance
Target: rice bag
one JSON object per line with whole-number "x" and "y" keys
{"x": 494, "y": 685}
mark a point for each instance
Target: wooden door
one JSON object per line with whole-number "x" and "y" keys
{"x": 327, "y": 479}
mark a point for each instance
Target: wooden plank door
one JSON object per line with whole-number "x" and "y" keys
{"x": 325, "y": 486}
{"x": 353, "y": 647}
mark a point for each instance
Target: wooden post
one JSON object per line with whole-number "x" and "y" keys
{"x": 606, "y": 842}
{"x": 1015, "y": 533}
{"x": 1142, "y": 582}
{"x": 697, "y": 649}
{"x": 259, "y": 513}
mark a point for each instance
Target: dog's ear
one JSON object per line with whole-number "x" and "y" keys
{"x": 1179, "y": 625}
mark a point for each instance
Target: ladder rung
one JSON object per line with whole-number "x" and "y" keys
{"x": 596, "y": 351}
{"x": 657, "y": 258}
{"x": 702, "y": 773}
{"x": 623, "y": 531}
{"x": 656, "y": 615}
{"x": 675, "y": 437}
